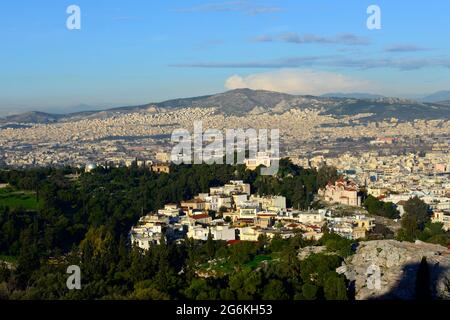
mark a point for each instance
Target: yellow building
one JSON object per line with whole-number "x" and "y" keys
{"x": 359, "y": 233}
{"x": 249, "y": 234}
{"x": 442, "y": 217}
{"x": 364, "y": 222}
{"x": 377, "y": 192}
{"x": 161, "y": 168}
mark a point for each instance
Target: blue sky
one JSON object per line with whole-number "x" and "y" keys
{"x": 134, "y": 52}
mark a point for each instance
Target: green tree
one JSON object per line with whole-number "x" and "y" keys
{"x": 417, "y": 209}
{"x": 334, "y": 287}
{"x": 146, "y": 290}
{"x": 414, "y": 220}
{"x": 380, "y": 208}
{"x": 245, "y": 284}
{"x": 409, "y": 230}
{"x": 199, "y": 289}
{"x": 338, "y": 244}
{"x": 275, "y": 290}
{"x": 210, "y": 246}
{"x": 326, "y": 174}
{"x": 309, "y": 291}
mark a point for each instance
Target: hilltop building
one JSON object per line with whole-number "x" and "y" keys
{"x": 342, "y": 192}
{"x": 161, "y": 168}
{"x": 261, "y": 159}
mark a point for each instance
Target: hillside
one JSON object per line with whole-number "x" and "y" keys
{"x": 353, "y": 95}
{"x": 437, "y": 96}
{"x": 398, "y": 263}
{"x": 244, "y": 101}
{"x": 33, "y": 117}
{"x": 447, "y": 103}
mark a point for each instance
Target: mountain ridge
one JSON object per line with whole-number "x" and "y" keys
{"x": 439, "y": 96}
{"x": 352, "y": 95}
{"x": 245, "y": 101}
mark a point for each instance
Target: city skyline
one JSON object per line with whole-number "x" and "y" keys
{"x": 131, "y": 54}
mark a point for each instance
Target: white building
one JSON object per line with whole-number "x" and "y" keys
{"x": 170, "y": 210}
{"x": 240, "y": 199}
{"x": 145, "y": 240}
{"x": 442, "y": 217}
{"x": 234, "y": 187}
{"x": 274, "y": 203}
{"x": 249, "y": 234}
{"x": 218, "y": 232}
{"x": 216, "y": 202}
{"x": 261, "y": 159}
{"x": 311, "y": 217}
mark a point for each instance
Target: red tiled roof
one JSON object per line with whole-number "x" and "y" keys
{"x": 199, "y": 216}
{"x": 245, "y": 220}
{"x": 196, "y": 200}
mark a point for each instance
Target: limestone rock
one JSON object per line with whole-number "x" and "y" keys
{"x": 387, "y": 269}
{"x": 305, "y": 252}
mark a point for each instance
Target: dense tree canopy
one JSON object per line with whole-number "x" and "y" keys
{"x": 84, "y": 219}
{"x": 325, "y": 175}
{"x": 416, "y": 224}
{"x": 380, "y": 208}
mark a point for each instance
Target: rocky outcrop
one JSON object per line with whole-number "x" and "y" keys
{"x": 305, "y": 252}
{"x": 387, "y": 269}
{"x": 8, "y": 265}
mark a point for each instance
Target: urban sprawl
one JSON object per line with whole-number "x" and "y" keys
{"x": 391, "y": 160}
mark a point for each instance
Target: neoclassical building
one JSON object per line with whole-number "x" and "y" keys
{"x": 342, "y": 192}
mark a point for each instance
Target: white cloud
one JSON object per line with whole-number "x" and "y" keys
{"x": 348, "y": 39}
{"x": 244, "y": 6}
{"x": 297, "y": 81}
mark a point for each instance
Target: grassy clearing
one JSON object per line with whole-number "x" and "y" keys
{"x": 9, "y": 259}
{"x": 223, "y": 266}
{"x": 256, "y": 262}
{"x": 18, "y": 199}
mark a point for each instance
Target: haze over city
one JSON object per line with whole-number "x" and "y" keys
{"x": 232, "y": 153}
{"x": 140, "y": 52}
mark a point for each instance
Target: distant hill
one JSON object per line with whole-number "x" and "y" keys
{"x": 239, "y": 101}
{"x": 354, "y": 95}
{"x": 444, "y": 102}
{"x": 387, "y": 108}
{"x": 73, "y": 109}
{"x": 437, "y": 97}
{"x": 33, "y": 117}
{"x": 245, "y": 101}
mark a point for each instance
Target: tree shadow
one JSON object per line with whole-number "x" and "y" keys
{"x": 420, "y": 281}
